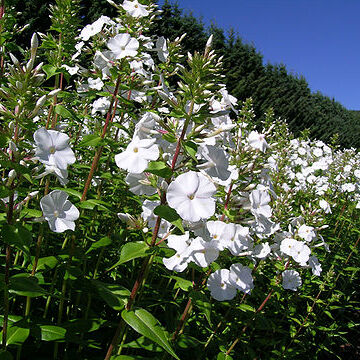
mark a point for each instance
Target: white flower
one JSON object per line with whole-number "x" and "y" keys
{"x": 217, "y": 163}
{"x": 259, "y": 199}
{"x": 59, "y": 212}
{"x": 298, "y": 250}
{"x": 240, "y": 241}
{"x": 52, "y": 148}
{"x": 291, "y": 280}
{"x": 348, "y": 187}
{"x": 315, "y": 265}
{"x": 203, "y": 253}
{"x": 257, "y": 141}
{"x": 161, "y": 49}
{"x": 221, "y": 233}
{"x": 261, "y": 251}
{"x": 134, "y": 9}
{"x": 94, "y": 28}
{"x": 139, "y": 184}
{"x": 306, "y": 232}
{"x": 180, "y": 260}
{"x": 190, "y": 194}
{"x": 123, "y": 45}
{"x": 325, "y": 206}
{"x": 100, "y": 105}
{"x": 137, "y": 155}
{"x": 240, "y": 278}
{"x": 219, "y": 285}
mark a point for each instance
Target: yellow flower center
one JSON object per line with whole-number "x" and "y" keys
{"x": 136, "y": 150}
{"x": 52, "y": 150}
{"x": 56, "y": 213}
{"x": 191, "y": 196}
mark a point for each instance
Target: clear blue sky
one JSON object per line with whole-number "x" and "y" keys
{"x": 319, "y": 39}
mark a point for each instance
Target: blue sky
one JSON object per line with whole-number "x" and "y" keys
{"x": 319, "y": 39}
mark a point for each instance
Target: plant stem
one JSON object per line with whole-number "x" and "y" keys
{"x": 109, "y": 117}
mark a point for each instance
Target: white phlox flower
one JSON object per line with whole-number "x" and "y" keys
{"x": 261, "y": 251}
{"x": 52, "y": 148}
{"x": 190, "y": 194}
{"x": 123, "y": 45}
{"x": 298, "y": 250}
{"x": 241, "y": 240}
{"x": 217, "y": 162}
{"x": 240, "y": 278}
{"x": 92, "y": 29}
{"x": 257, "y": 141}
{"x": 259, "y": 199}
{"x": 181, "y": 244}
{"x": 307, "y": 233}
{"x": 62, "y": 175}
{"x": 135, "y": 9}
{"x": 315, "y": 265}
{"x": 100, "y": 105}
{"x": 203, "y": 253}
{"x": 139, "y": 184}
{"x": 219, "y": 285}
{"x": 291, "y": 280}
{"x": 137, "y": 155}
{"x": 149, "y": 216}
{"x": 145, "y": 127}
{"x": 325, "y": 206}
{"x": 161, "y": 48}
{"x": 221, "y": 233}
{"x": 228, "y": 100}
{"x": 58, "y": 211}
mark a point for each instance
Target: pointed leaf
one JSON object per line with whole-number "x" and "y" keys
{"x": 17, "y": 335}
{"x": 169, "y": 214}
{"x": 105, "y": 241}
{"x": 52, "y": 333}
{"x": 116, "y": 296}
{"x": 131, "y": 251}
{"x": 146, "y": 324}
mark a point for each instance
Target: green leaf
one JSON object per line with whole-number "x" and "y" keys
{"x": 45, "y": 263}
{"x": 25, "y": 285}
{"x": 169, "y": 214}
{"x": 105, "y": 241}
{"x": 90, "y": 140}
{"x": 144, "y": 343}
{"x": 190, "y": 148}
{"x": 50, "y": 70}
{"x": 71, "y": 192}
{"x": 169, "y": 137}
{"x": 159, "y": 168}
{"x": 182, "y": 283}
{"x": 17, "y": 335}
{"x": 116, "y": 296}
{"x": 92, "y": 203}
{"x": 245, "y": 307}
{"x": 65, "y": 113}
{"x": 132, "y": 250}
{"x": 17, "y": 236}
{"x": 202, "y": 303}
{"x": 33, "y": 213}
{"x": 146, "y": 324}
{"x": 52, "y": 333}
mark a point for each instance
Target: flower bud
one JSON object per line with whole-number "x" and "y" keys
{"x": 54, "y": 92}
{"x": 34, "y": 45}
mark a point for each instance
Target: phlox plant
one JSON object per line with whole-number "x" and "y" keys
{"x": 142, "y": 213}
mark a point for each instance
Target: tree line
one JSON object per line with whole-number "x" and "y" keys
{"x": 246, "y": 75}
